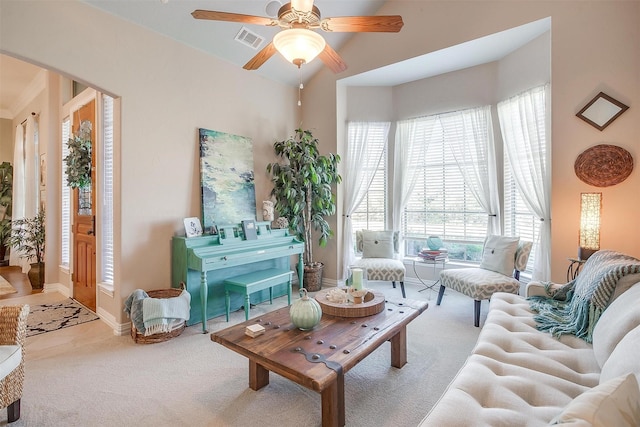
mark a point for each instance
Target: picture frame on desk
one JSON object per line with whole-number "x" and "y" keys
{"x": 192, "y": 227}
{"x": 249, "y": 229}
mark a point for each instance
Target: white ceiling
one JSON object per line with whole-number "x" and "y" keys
{"x": 173, "y": 19}
{"x": 15, "y": 79}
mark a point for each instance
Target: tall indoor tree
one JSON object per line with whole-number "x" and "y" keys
{"x": 303, "y": 190}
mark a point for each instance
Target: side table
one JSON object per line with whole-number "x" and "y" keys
{"x": 438, "y": 262}
{"x": 575, "y": 264}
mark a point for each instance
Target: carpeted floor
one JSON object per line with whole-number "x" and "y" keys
{"x": 85, "y": 375}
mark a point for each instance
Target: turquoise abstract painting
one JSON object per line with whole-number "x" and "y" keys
{"x": 226, "y": 178}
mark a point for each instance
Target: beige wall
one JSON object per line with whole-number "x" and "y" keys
{"x": 594, "y": 47}
{"x": 6, "y": 141}
{"x": 167, "y": 92}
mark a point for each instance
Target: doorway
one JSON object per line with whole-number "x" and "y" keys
{"x": 84, "y": 220}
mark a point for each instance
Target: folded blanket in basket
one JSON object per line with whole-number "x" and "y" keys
{"x": 133, "y": 308}
{"x": 158, "y": 313}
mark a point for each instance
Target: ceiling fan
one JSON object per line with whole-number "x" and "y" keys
{"x": 297, "y": 41}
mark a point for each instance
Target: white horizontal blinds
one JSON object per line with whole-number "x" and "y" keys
{"x": 525, "y": 138}
{"x": 441, "y": 203}
{"x": 518, "y": 220}
{"x": 371, "y": 213}
{"x": 65, "y": 212}
{"x": 107, "y": 192}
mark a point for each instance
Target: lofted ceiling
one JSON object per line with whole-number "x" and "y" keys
{"x": 173, "y": 19}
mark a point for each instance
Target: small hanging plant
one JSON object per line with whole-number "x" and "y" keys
{"x": 78, "y": 162}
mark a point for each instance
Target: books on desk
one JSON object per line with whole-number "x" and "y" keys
{"x": 427, "y": 254}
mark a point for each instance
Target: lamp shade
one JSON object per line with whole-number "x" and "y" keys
{"x": 590, "y": 206}
{"x": 298, "y": 45}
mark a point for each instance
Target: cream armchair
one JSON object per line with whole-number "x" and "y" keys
{"x": 380, "y": 258}
{"x": 13, "y": 330}
{"x": 503, "y": 259}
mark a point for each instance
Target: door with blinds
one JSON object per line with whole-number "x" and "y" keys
{"x": 84, "y": 218}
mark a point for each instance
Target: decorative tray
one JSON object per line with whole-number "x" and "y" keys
{"x": 373, "y": 304}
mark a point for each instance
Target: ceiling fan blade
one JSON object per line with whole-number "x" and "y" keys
{"x": 332, "y": 60}
{"x": 261, "y": 57}
{"x": 363, "y": 24}
{"x": 213, "y": 15}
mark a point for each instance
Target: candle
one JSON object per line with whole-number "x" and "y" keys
{"x": 356, "y": 276}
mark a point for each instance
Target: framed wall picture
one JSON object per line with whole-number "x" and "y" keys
{"x": 226, "y": 178}
{"x": 192, "y": 227}
{"x": 601, "y": 111}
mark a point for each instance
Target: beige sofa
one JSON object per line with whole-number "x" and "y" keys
{"x": 520, "y": 376}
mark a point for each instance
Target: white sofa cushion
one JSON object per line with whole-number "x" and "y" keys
{"x": 620, "y": 317}
{"x": 624, "y": 359}
{"x": 613, "y": 403}
{"x": 10, "y": 357}
{"x": 516, "y": 375}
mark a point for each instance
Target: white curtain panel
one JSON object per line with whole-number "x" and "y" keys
{"x": 25, "y": 182}
{"x": 18, "y": 186}
{"x": 31, "y": 169}
{"x": 525, "y": 124}
{"x": 360, "y": 169}
{"x": 469, "y": 136}
{"x": 412, "y": 140}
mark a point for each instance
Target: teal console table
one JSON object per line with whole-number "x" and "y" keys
{"x": 203, "y": 263}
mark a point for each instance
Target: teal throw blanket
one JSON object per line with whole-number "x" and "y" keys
{"x": 159, "y": 313}
{"x": 576, "y": 307}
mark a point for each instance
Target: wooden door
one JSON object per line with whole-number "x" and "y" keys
{"x": 84, "y": 237}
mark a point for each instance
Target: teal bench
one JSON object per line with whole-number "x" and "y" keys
{"x": 255, "y": 281}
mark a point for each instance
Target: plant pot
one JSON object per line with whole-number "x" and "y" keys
{"x": 313, "y": 277}
{"x": 36, "y": 275}
{"x": 3, "y": 254}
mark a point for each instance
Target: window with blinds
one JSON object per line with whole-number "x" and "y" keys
{"x": 371, "y": 214}
{"x": 518, "y": 220}
{"x": 65, "y": 191}
{"x": 441, "y": 203}
{"x": 106, "y": 208}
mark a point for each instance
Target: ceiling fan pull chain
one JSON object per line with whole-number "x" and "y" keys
{"x": 300, "y": 87}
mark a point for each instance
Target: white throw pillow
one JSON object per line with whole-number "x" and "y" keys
{"x": 499, "y": 254}
{"x": 624, "y": 359}
{"x": 620, "y": 317}
{"x": 613, "y": 403}
{"x": 377, "y": 244}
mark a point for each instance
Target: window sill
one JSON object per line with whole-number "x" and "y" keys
{"x": 106, "y": 289}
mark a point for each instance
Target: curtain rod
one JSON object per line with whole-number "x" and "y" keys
{"x": 33, "y": 114}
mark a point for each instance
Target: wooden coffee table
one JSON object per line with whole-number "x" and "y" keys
{"x": 318, "y": 359}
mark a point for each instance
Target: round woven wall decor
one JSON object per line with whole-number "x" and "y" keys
{"x": 604, "y": 165}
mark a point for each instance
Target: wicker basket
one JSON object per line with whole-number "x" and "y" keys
{"x": 163, "y": 336}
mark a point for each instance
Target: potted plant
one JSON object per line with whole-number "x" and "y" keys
{"x": 28, "y": 238}
{"x": 303, "y": 190}
{"x": 6, "y": 191}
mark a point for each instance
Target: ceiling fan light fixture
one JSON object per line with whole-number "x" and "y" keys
{"x": 302, "y": 5}
{"x": 299, "y": 45}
